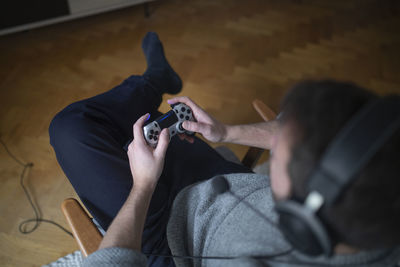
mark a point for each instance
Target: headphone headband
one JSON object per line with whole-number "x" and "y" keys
{"x": 354, "y": 146}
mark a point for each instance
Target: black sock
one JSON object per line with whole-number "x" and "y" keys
{"x": 159, "y": 73}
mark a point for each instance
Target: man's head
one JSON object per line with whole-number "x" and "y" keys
{"x": 368, "y": 214}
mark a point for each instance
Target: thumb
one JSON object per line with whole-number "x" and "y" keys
{"x": 193, "y": 126}
{"x": 162, "y": 143}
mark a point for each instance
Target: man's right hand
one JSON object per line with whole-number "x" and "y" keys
{"x": 210, "y": 128}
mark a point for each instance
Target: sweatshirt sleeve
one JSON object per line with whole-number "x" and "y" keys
{"x": 117, "y": 257}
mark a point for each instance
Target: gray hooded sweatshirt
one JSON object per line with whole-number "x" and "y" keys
{"x": 207, "y": 222}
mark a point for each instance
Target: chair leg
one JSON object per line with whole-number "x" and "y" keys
{"x": 252, "y": 156}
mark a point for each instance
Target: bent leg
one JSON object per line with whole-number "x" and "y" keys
{"x": 88, "y": 137}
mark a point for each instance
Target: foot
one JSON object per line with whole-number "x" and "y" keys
{"x": 159, "y": 73}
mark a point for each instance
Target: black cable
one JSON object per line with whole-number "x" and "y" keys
{"x": 260, "y": 257}
{"x": 38, "y": 218}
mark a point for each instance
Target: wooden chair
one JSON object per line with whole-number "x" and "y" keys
{"x": 86, "y": 233}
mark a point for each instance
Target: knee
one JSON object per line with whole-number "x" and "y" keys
{"x": 65, "y": 125}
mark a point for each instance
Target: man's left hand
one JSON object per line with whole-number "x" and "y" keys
{"x": 146, "y": 163}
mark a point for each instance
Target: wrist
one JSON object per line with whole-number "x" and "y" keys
{"x": 227, "y": 133}
{"x": 143, "y": 187}
{"x": 224, "y": 129}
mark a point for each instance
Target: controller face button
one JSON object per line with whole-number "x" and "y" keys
{"x": 155, "y": 138}
{"x": 156, "y": 132}
{"x": 181, "y": 116}
{"x": 150, "y": 137}
{"x": 183, "y": 109}
{"x": 151, "y": 131}
{"x": 187, "y": 118}
{"x": 188, "y": 111}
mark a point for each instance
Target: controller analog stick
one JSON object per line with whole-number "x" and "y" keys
{"x": 181, "y": 127}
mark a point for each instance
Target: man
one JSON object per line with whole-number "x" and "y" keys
{"x": 237, "y": 223}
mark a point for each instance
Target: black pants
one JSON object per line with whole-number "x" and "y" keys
{"x": 89, "y": 138}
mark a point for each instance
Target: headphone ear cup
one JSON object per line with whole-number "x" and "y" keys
{"x": 302, "y": 228}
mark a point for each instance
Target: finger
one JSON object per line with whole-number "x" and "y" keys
{"x": 138, "y": 129}
{"x": 181, "y": 136}
{"x": 189, "y": 139}
{"x": 186, "y": 137}
{"x": 192, "y": 126}
{"x": 175, "y": 100}
{"x": 162, "y": 143}
{"x": 181, "y": 99}
{"x": 186, "y": 100}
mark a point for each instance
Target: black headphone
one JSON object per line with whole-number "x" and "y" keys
{"x": 350, "y": 151}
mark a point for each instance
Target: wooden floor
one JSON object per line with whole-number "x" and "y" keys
{"x": 227, "y": 53}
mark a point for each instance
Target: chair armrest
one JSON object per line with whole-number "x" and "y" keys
{"x": 85, "y": 232}
{"x": 263, "y": 110}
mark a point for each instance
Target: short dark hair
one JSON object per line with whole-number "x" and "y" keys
{"x": 367, "y": 215}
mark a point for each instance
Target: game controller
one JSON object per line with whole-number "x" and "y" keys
{"x": 172, "y": 120}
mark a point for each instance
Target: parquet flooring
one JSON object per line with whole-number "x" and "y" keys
{"x": 227, "y": 53}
